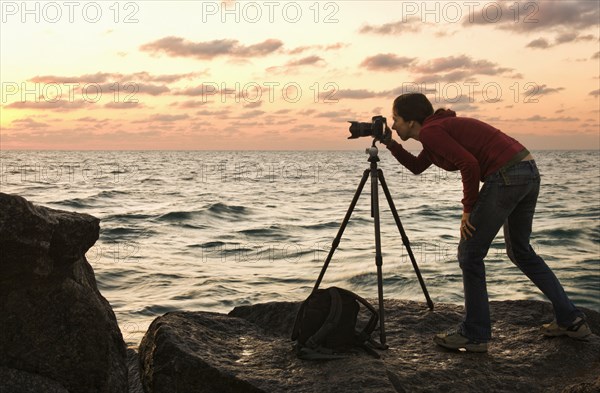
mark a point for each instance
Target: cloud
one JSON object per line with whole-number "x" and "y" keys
{"x": 99, "y": 77}
{"x": 545, "y": 90}
{"x": 333, "y": 114}
{"x": 307, "y": 112}
{"x": 189, "y": 104}
{"x": 163, "y": 118}
{"x": 60, "y": 105}
{"x": 310, "y": 60}
{"x": 28, "y": 122}
{"x": 115, "y": 77}
{"x": 326, "y": 48}
{"x": 360, "y": 94}
{"x": 250, "y": 114}
{"x": 566, "y": 18}
{"x": 303, "y": 128}
{"x": 460, "y": 107}
{"x": 352, "y": 94}
{"x": 249, "y": 92}
{"x": 123, "y": 86}
{"x": 179, "y": 47}
{"x": 292, "y": 64}
{"x": 123, "y": 105}
{"x": 153, "y": 90}
{"x": 596, "y": 55}
{"x": 168, "y": 78}
{"x": 463, "y": 63}
{"x": 456, "y": 68}
{"x": 551, "y": 119}
{"x": 202, "y": 90}
{"x": 336, "y": 46}
{"x": 540, "y": 43}
{"x": 541, "y": 15}
{"x": 206, "y": 112}
{"x": 447, "y": 69}
{"x": 567, "y": 37}
{"x": 570, "y": 37}
{"x": 89, "y": 119}
{"x": 595, "y": 93}
{"x": 363, "y": 94}
{"x": 393, "y": 28}
{"x": 386, "y": 62}
{"x": 449, "y": 77}
{"x": 253, "y": 105}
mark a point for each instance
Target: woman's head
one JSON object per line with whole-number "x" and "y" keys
{"x": 413, "y": 106}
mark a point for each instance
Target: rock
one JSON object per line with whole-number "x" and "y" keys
{"x": 54, "y": 321}
{"x": 249, "y": 350}
{"x": 586, "y": 387}
{"x": 133, "y": 371}
{"x": 209, "y": 352}
{"x": 17, "y": 381}
{"x": 519, "y": 358}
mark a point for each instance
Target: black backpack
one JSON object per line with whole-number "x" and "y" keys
{"x": 325, "y": 326}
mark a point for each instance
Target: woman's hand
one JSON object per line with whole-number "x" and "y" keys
{"x": 466, "y": 229}
{"x": 386, "y": 139}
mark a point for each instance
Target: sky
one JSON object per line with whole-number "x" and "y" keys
{"x": 289, "y": 75}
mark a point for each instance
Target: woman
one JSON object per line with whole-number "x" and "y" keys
{"x": 507, "y": 198}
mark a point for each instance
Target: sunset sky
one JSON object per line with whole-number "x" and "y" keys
{"x": 278, "y": 75}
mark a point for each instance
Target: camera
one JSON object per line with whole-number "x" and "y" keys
{"x": 376, "y": 128}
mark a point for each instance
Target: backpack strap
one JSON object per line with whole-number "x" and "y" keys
{"x": 296, "y": 329}
{"x": 320, "y": 353}
{"x": 335, "y": 313}
{"x": 370, "y": 326}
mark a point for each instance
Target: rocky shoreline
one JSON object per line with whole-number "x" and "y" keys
{"x": 59, "y": 334}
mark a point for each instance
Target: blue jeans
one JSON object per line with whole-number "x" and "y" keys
{"x": 506, "y": 198}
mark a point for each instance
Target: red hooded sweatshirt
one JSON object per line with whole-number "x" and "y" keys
{"x": 459, "y": 143}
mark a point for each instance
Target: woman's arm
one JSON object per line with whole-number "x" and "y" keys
{"x": 415, "y": 164}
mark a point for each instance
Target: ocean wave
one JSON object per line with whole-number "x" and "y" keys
{"x": 107, "y": 231}
{"x": 271, "y": 230}
{"x": 176, "y": 216}
{"x": 273, "y": 233}
{"x": 194, "y": 226}
{"x": 213, "y": 244}
{"x": 117, "y": 231}
{"x": 114, "y": 278}
{"x": 79, "y": 203}
{"x": 217, "y": 210}
{"x": 224, "y": 209}
{"x": 322, "y": 225}
{"x": 561, "y": 233}
{"x": 127, "y": 217}
{"x": 153, "y": 181}
{"x": 155, "y": 310}
{"x": 110, "y": 194}
{"x": 363, "y": 279}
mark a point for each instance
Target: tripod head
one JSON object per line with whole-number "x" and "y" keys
{"x": 372, "y": 152}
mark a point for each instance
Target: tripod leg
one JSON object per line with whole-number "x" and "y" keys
{"x": 378, "y": 256}
{"x": 337, "y": 239}
{"x": 404, "y": 238}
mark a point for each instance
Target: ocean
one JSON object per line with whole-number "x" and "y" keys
{"x": 211, "y": 230}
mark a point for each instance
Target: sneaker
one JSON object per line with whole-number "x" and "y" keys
{"x": 578, "y": 329}
{"x": 455, "y": 340}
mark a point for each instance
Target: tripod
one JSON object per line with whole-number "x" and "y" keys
{"x": 376, "y": 175}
